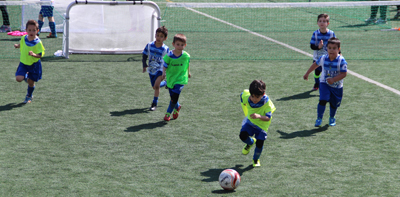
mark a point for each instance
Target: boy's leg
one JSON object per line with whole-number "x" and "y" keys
{"x": 335, "y": 101}
{"x": 6, "y": 21}
{"x": 257, "y": 152}
{"x": 249, "y": 141}
{"x": 156, "y": 87}
{"x": 52, "y": 25}
{"x": 172, "y": 104}
{"x": 41, "y": 23}
{"x": 317, "y": 74}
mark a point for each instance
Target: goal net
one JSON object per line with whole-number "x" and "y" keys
{"x": 267, "y": 31}
{"x": 109, "y": 27}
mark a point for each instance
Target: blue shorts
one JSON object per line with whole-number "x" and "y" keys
{"x": 332, "y": 95}
{"x": 177, "y": 89}
{"x": 46, "y": 11}
{"x": 153, "y": 78}
{"x": 34, "y": 70}
{"x": 253, "y": 129}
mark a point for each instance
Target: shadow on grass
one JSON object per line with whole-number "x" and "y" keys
{"x": 92, "y": 58}
{"x": 304, "y": 133}
{"x": 303, "y": 95}
{"x": 11, "y": 39}
{"x": 10, "y": 106}
{"x": 129, "y": 111}
{"x": 148, "y": 126}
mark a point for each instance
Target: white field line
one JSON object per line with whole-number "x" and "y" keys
{"x": 295, "y": 49}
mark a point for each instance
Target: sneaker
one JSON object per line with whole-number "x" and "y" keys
{"x": 370, "y": 20}
{"x": 246, "y": 148}
{"x": 167, "y": 117}
{"x": 256, "y": 163}
{"x": 153, "y": 107}
{"x": 332, "y": 122}
{"x": 28, "y": 99}
{"x": 380, "y": 21}
{"x": 318, "y": 122}
{"x": 397, "y": 16}
{"x": 51, "y": 36}
{"x": 176, "y": 112}
{"x": 4, "y": 28}
{"x": 314, "y": 89}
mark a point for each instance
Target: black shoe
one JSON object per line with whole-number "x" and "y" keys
{"x": 153, "y": 107}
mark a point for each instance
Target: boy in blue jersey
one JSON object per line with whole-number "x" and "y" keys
{"x": 47, "y": 11}
{"x": 30, "y": 66}
{"x": 258, "y": 109}
{"x": 318, "y": 43}
{"x": 155, "y": 51}
{"x": 177, "y": 70}
{"x": 334, "y": 70}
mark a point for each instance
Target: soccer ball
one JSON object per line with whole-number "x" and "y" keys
{"x": 229, "y": 179}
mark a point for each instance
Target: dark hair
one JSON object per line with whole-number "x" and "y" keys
{"x": 162, "y": 30}
{"x": 323, "y": 16}
{"x": 257, "y": 87}
{"x": 32, "y": 22}
{"x": 179, "y": 37}
{"x": 334, "y": 41}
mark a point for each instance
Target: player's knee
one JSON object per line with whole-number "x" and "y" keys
{"x": 260, "y": 143}
{"x": 322, "y": 102}
{"x": 243, "y": 135}
{"x": 19, "y": 78}
{"x": 332, "y": 106}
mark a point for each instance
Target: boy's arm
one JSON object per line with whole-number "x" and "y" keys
{"x": 263, "y": 118}
{"x": 31, "y": 53}
{"x": 164, "y": 70}
{"x": 144, "y": 62}
{"x": 339, "y": 77}
{"x": 16, "y": 46}
{"x": 190, "y": 75}
{"x": 312, "y": 67}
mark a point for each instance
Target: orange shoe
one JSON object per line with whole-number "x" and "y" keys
{"x": 167, "y": 117}
{"x": 176, "y": 112}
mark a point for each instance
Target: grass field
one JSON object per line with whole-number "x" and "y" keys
{"x": 88, "y": 132}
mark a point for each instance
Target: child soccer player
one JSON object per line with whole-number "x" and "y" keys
{"x": 30, "y": 66}
{"x": 258, "y": 109}
{"x": 156, "y": 50}
{"x": 47, "y": 11}
{"x": 334, "y": 69}
{"x": 176, "y": 69}
{"x": 318, "y": 43}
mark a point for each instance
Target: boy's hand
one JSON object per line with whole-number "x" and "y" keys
{"x": 305, "y": 77}
{"x": 190, "y": 75}
{"x": 163, "y": 76}
{"x": 321, "y": 44}
{"x": 32, "y": 54}
{"x": 255, "y": 116}
{"x": 144, "y": 69}
{"x": 330, "y": 81}
{"x": 16, "y": 46}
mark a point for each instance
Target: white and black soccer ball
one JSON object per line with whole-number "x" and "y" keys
{"x": 229, "y": 179}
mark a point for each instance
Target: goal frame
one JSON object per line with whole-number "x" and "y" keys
{"x": 155, "y": 23}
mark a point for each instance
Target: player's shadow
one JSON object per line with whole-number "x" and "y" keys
{"x": 303, "y": 133}
{"x": 129, "y": 111}
{"x": 10, "y": 106}
{"x": 148, "y": 126}
{"x": 213, "y": 175}
{"x": 304, "y": 95}
{"x": 11, "y": 39}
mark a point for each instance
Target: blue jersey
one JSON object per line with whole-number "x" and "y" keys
{"x": 332, "y": 69}
{"x": 156, "y": 55}
{"x": 316, "y": 38}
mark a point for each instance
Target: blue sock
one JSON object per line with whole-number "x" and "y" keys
{"x": 163, "y": 83}
{"x": 170, "y": 107}
{"x": 40, "y": 25}
{"x": 320, "y": 111}
{"x": 332, "y": 112}
{"x": 53, "y": 28}
{"x": 155, "y": 100}
{"x": 177, "y": 105}
{"x": 249, "y": 141}
{"x": 257, "y": 153}
{"x": 30, "y": 91}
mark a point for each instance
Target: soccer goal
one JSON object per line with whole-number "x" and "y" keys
{"x": 109, "y": 27}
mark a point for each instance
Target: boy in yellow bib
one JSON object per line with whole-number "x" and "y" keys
{"x": 30, "y": 66}
{"x": 258, "y": 109}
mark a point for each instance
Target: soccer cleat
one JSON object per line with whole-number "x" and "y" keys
{"x": 256, "y": 163}
{"x": 176, "y": 112}
{"x": 51, "y": 36}
{"x": 370, "y": 20}
{"x": 27, "y": 100}
{"x": 153, "y": 107}
{"x": 4, "y": 28}
{"x": 318, "y": 122}
{"x": 380, "y": 21}
{"x": 246, "y": 148}
{"x": 167, "y": 117}
{"x": 332, "y": 122}
{"x": 314, "y": 89}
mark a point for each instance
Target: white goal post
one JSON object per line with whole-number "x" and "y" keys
{"x": 109, "y": 27}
